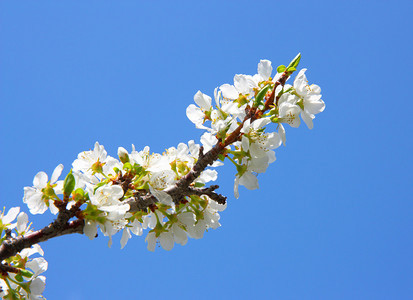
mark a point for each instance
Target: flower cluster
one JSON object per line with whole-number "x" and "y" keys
{"x": 164, "y": 193}
{"x": 20, "y": 274}
{"x": 107, "y": 187}
{"x": 251, "y": 104}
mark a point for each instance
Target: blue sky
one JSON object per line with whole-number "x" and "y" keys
{"x": 333, "y": 216}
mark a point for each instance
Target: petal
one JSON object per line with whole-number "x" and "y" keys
{"x": 180, "y": 236}
{"x": 136, "y": 228}
{"x": 40, "y": 180}
{"x": 300, "y": 82}
{"x": 207, "y": 175}
{"x": 38, "y": 265}
{"x": 187, "y": 218}
{"x": 315, "y": 89}
{"x": 56, "y": 173}
{"x": 249, "y": 180}
{"x": 162, "y": 196}
{"x": 151, "y": 240}
{"x": 37, "y": 249}
{"x": 11, "y": 215}
{"x": 22, "y": 220}
{"x": 314, "y": 107}
{"x": 167, "y": 240}
{"x": 116, "y": 192}
{"x": 229, "y": 91}
{"x": 208, "y": 141}
{"x": 90, "y": 229}
{"x": 257, "y": 124}
{"x": 259, "y": 164}
{"x": 264, "y": 69}
{"x": 246, "y": 127}
{"x": 203, "y": 101}
{"x": 36, "y": 204}
{"x": 281, "y": 132}
{"x": 236, "y": 184}
{"x": 245, "y": 143}
{"x": 308, "y": 119}
{"x": 53, "y": 209}
{"x": 125, "y": 237}
{"x": 99, "y": 152}
{"x": 195, "y": 115}
{"x": 216, "y": 206}
{"x": 193, "y": 148}
{"x": 273, "y": 140}
{"x": 37, "y": 286}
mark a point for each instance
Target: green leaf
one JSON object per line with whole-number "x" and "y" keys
{"x": 281, "y": 69}
{"x": 260, "y": 95}
{"x": 69, "y": 184}
{"x": 18, "y": 278}
{"x": 294, "y": 63}
{"x": 26, "y": 273}
{"x": 274, "y": 119}
{"x": 291, "y": 69}
{"x": 127, "y": 166}
{"x": 79, "y": 194}
{"x": 199, "y": 184}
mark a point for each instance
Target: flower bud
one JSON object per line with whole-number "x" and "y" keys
{"x": 123, "y": 155}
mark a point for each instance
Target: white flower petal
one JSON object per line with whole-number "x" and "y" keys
{"x": 37, "y": 285}
{"x": 53, "y": 209}
{"x": 180, "y": 236}
{"x": 40, "y": 180}
{"x": 281, "y": 132}
{"x": 38, "y": 265}
{"x": 229, "y": 91}
{"x": 11, "y": 215}
{"x": 56, "y": 173}
{"x": 236, "y": 184}
{"x": 249, "y": 180}
{"x": 90, "y": 229}
{"x": 308, "y": 119}
{"x": 125, "y": 237}
{"x": 196, "y": 116}
{"x": 167, "y": 240}
{"x": 203, "y": 101}
{"x": 162, "y": 196}
{"x": 151, "y": 240}
{"x": 264, "y": 69}
{"x": 22, "y": 220}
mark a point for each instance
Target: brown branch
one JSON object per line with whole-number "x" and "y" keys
{"x": 209, "y": 191}
{"x": 61, "y": 226}
{"x": 6, "y": 268}
{"x": 140, "y": 202}
{"x": 281, "y": 81}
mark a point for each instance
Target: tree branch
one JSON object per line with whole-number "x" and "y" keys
{"x": 209, "y": 191}
{"x": 12, "y": 246}
{"x": 62, "y": 226}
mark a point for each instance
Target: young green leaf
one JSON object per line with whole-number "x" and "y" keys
{"x": 294, "y": 63}
{"x": 260, "y": 95}
{"x": 281, "y": 69}
{"x": 69, "y": 184}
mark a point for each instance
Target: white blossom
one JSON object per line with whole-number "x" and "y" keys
{"x": 35, "y": 196}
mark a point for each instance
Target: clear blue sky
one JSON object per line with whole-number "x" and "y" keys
{"x": 333, "y": 216}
